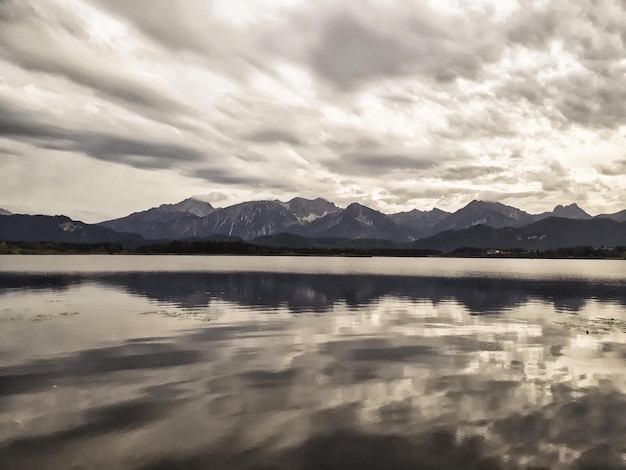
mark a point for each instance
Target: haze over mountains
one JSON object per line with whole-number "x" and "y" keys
{"x": 478, "y": 224}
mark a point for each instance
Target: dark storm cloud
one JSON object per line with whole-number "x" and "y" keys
{"x": 587, "y": 98}
{"x": 27, "y": 126}
{"x": 350, "y": 52}
{"x": 616, "y": 168}
{"x": 18, "y": 11}
{"x": 533, "y": 26}
{"x": 16, "y": 122}
{"x": 356, "y": 153}
{"x": 379, "y": 163}
{"x": 354, "y": 142}
{"x": 592, "y": 29}
{"x": 489, "y": 122}
{"x": 218, "y": 175}
{"x": 468, "y": 172}
{"x": 594, "y": 100}
{"x": 223, "y": 175}
{"x": 422, "y": 43}
{"x": 523, "y": 86}
{"x": 271, "y": 135}
{"x": 182, "y": 31}
{"x": 152, "y": 154}
{"x": 124, "y": 90}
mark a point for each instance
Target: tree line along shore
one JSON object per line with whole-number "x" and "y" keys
{"x": 244, "y": 248}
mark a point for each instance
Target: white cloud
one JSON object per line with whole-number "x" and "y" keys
{"x": 400, "y": 104}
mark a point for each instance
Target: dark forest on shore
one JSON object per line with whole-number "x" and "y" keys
{"x": 243, "y": 248}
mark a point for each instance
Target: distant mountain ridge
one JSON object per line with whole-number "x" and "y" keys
{"x": 5, "y": 212}
{"x": 548, "y": 233}
{"x": 57, "y": 229}
{"x": 617, "y": 216}
{"x": 299, "y": 221}
{"x": 311, "y": 218}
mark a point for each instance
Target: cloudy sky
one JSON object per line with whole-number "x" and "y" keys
{"x": 114, "y": 106}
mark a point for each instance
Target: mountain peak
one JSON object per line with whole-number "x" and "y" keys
{"x": 573, "y": 211}
{"x": 480, "y": 203}
{"x": 478, "y": 212}
{"x": 355, "y": 205}
{"x": 436, "y": 210}
{"x": 509, "y": 211}
{"x": 356, "y": 208}
{"x": 308, "y": 210}
{"x": 573, "y": 205}
{"x": 299, "y": 200}
{"x": 413, "y": 212}
{"x": 191, "y": 205}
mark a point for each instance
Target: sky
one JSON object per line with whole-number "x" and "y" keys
{"x": 113, "y": 106}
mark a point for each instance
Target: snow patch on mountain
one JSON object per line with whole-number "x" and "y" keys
{"x": 364, "y": 220}
{"x": 70, "y": 227}
{"x": 311, "y": 217}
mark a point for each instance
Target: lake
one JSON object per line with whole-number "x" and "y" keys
{"x": 217, "y": 362}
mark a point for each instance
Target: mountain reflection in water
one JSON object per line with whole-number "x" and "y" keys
{"x": 320, "y": 371}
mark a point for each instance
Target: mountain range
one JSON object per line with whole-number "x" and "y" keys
{"x": 318, "y": 222}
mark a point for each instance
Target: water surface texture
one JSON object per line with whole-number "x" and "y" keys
{"x": 114, "y": 362}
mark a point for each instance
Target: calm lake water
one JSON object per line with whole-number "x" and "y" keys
{"x": 128, "y": 362}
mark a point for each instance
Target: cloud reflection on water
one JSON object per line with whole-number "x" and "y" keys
{"x": 306, "y": 371}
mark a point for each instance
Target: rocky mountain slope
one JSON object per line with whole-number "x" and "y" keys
{"x": 246, "y": 220}
{"x": 356, "y": 221}
{"x": 166, "y": 221}
{"x": 418, "y": 223}
{"x": 190, "y": 206}
{"x": 493, "y": 214}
